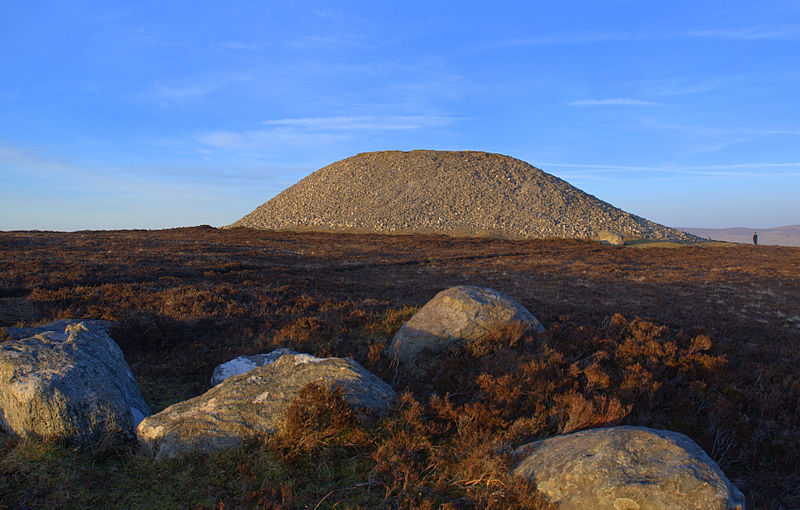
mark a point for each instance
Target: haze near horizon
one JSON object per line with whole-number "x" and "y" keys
{"x": 154, "y": 115}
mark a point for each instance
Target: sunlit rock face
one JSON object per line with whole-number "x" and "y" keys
{"x": 457, "y": 315}
{"x": 627, "y": 468}
{"x": 68, "y": 380}
{"x": 255, "y": 402}
{"x": 464, "y": 193}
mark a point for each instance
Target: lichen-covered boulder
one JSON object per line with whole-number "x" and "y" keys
{"x": 457, "y": 315}
{"x": 68, "y": 380}
{"x": 246, "y": 363}
{"x": 612, "y": 238}
{"x": 255, "y": 403}
{"x": 627, "y": 468}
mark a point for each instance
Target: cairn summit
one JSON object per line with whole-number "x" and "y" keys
{"x": 457, "y": 193}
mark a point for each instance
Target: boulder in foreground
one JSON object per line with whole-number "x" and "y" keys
{"x": 68, "y": 380}
{"x": 627, "y": 468}
{"x": 255, "y": 403}
{"x": 457, "y": 315}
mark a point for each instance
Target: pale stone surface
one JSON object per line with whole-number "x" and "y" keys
{"x": 457, "y": 315}
{"x": 68, "y": 380}
{"x": 458, "y": 193}
{"x": 612, "y": 238}
{"x": 244, "y": 364}
{"x": 255, "y": 402}
{"x": 627, "y": 468}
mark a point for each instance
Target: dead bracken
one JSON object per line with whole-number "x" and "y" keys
{"x": 694, "y": 339}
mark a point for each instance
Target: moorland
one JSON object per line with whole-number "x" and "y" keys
{"x": 703, "y": 339}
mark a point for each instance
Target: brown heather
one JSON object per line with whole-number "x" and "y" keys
{"x": 462, "y": 193}
{"x": 703, "y": 340}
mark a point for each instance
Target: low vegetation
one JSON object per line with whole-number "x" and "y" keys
{"x": 703, "y": 341}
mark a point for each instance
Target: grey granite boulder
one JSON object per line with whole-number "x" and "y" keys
{"x": 457, "y": 315}
{"x": 244, "y": 364}
{"x": 68, "y": 380}
{"x": 255, "y": 403}
{"x": 612, "y": 238}
{"x": 627, "y": 468}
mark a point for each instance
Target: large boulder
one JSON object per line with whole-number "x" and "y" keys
{"x": 627, "y": 468}
{"x": 246, "y": 363}
{"x": 68, "y": 380}
{"x": 255, "y": 402}
{"x": 457, "y": 315}
{"x": 612, "y": 238}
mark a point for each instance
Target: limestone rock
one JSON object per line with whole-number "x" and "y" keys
{"x": 244, "y": 364}
{"x": 627, "y": 468}
{"x": 457, "y": 193}
{"x": 255, "y": 402}
{"x": 457, "y": 315}
{"x": 612, "y": 238}
{"x": 68, "y": 380}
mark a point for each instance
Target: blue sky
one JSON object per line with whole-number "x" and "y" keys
{"x": 160, "y": 114}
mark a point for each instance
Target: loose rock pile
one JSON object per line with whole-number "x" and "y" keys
{"x": 454, "y": 193}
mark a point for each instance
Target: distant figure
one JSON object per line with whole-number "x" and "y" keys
{"x": 755, "y": 238}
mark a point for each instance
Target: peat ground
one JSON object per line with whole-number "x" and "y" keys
{"x": 700, "y": 339}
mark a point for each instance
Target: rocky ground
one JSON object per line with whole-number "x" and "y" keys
{"x": 453, "y": 193}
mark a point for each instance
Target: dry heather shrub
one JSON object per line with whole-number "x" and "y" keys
{"x": 317, "y": 417}
{"x": 505, "y": 336}
{"x": 582, "y": 413}
{"x": 405, "y": 460}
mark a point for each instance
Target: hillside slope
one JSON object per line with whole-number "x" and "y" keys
{"x": 454, "y": 193}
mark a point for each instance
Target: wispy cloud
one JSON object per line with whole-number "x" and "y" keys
{"x": 366, "y": 122}
{"x": 268, "y": 139}
{"x": 665, "y": 172}
{"x": 681, "y": 88}
{"x": 743, "y": 33}
{"x": 561, "y": 39}
{"x": 195, "y": 88}
{"x": 238, "y": 45}
{"x": 752, "y": 33}
{"x": 316, "y": 131}
{"x": 614, "y": 101}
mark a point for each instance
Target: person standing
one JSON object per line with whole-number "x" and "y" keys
{"x": 755, "y": 238}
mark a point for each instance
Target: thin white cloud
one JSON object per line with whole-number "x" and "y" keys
{"x": 666, "y": 172}
{"x": 561, "y": 39}
{"x": 786, "y": 32}
{"x": 316, "y": 131}
{"x": 269, "y": 139}
{"x": 749, "y": 33}
{"x": 365, "y": 122}
{"x": 197, "y": 88}
{"x": 613, "y": 101}
{"x": 237, "y": 45}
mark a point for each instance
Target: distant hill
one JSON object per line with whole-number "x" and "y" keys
{"x": 454, "y": 193}
{"x": 788, "y": 235}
